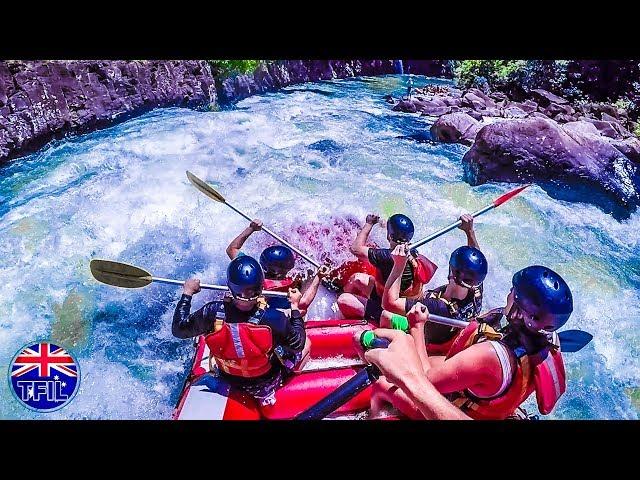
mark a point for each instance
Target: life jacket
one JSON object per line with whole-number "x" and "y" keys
{"x": 424, "y": 271}
{"x": 278, "y": 285}
{"x": 470, "y": 310}
{"x": 542, "y": 372}
{"x": 241, "y": 349}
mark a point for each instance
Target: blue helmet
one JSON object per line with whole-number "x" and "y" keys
{"x": 276, "y": 261}
{"x": 468, "y": 266}
{"x": 544, "y": 295}
{"x": 400, "y": 228}
{"x": 245, "y": 278}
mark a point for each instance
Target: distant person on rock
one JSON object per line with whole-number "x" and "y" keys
{"x": 277, "y": 261}
{"x": 362, "y": 297}
{"x": 409, "y": 87}
{"x": 252, "y": 345}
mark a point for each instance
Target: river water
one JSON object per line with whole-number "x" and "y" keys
{"x": 310, "y": 161}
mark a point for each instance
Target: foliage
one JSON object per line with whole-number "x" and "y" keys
{"x": 492, "y": 72}
{"x": 227, "y": 68}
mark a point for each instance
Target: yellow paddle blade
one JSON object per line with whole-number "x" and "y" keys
{"x": 205, "y": 188}
{"x": 119, "y": 274}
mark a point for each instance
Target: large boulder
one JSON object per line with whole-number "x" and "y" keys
{"x": 537, "y": 149}
{"x": 544, "y": 98}
{"x": 455, "y": 128}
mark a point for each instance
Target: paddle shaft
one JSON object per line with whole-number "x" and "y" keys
{"x": 276, "y": 236}
{"x": 341, "y": 395}
{"x": 222, "y": 288}
{"x": 437, "y": 234}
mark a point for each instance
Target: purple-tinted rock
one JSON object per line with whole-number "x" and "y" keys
{"x": 47, "y": 99}
{"x": 435, "y": 111}
{"x": 513, "y": 112}
{"x": 630, "y": 147}
{"x": 544, "y": 98}
{"x": 455, "y": 128}
{"x": 538, "y": 149}
{"x": 408, "y": 106}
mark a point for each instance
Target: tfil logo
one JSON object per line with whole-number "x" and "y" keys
{"x": 44, "y": 377}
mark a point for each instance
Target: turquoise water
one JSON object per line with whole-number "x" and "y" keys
{"x": 307, "y": 159}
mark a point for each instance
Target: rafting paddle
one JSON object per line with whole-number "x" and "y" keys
{"x": 129, "y": 276}
{"x": 214, "y": 195}
{"x": 570, "y": 340}
{"x": 496, "y": 203}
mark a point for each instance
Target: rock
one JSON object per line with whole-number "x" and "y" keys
{"x": 408, "y": 106}
{"x": 605, "y": 128}
{"x": 435, "y": 111}
{"x": 630, "y": 147}
{"x": 609, "y": 118}
{"x": 538, "y": 149}
{"x": 474, "y": 101}
{"x": 452, "y": 101}
{"x": 513, "y": 112}
{"x": 473, "y": 113}
{"x": 564, "y": 118}
{"x": 545, "y": 98}
{"x": 455, "y": 128}
{"x": 537, "y": 115}
{"x": 581, "y": 127}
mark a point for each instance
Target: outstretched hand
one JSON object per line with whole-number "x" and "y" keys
{"x": 419, "y": 313}
{"x": 372, "y": 219}
{"x": 256, "y": 224}
{"x": 467, "y": 223}
{"x": 399, "y": 254}
{"x": 191, "y": 286}
{"x": 399, "y": 362}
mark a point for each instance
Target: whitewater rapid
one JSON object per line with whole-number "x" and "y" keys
{"x": 310, "y": 159}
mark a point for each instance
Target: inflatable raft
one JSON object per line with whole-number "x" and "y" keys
{"x": 207, "y": 397}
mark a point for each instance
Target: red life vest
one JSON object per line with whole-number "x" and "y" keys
{"x": 278, "y": 285}
{"x": 543, "y": 373}
{"x": 425, "y": 270}
{"x": 241, "y": 349}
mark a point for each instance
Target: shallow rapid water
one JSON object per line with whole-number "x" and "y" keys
{"x": 310, "y": 159}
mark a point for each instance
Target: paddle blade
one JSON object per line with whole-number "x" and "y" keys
{"x": 205, "y": 188}
{"x": 573, "y": 340}
{"x": 119, "y": 274}
{"x": 505, "y": 197}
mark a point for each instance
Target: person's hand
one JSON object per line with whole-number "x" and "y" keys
{"x": 467, "y": 223}
{"x": 323, "y": 271}
{"x": 399, "y": 362}
{"x": 399, "y": 254}
{"x": 191, "y": 286}
{"x": 262, "y": 302}
{"x": 256, "y": 224}
{"x": 294, "y": 297}
{"x": 419, "y": 313}
{"x": 372, "y": 219}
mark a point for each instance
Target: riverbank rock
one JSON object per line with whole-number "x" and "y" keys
{"x": 456, "y": 127}
{"x": 43, "y": 100}
{"x": 536, "y": 149}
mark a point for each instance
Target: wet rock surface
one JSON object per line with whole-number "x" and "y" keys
{"x": 565, "y": 148}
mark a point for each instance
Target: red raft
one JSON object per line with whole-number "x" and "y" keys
{"x": 207, "y": 397}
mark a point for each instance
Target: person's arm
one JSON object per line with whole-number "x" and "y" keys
{"x": 358, "y": 247}
{"x": 400, "y": 364}
{"x": 391, "y": 300}
{"x": 186, "y": 324}
{"x": 417, "y": 317}
{"x": 467, "y": 228}
{"x": 311, "y": 291}
{"x": 296, "y": 335}
{"x": 474, "y": 367}
{"x": 236, "y": 244}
